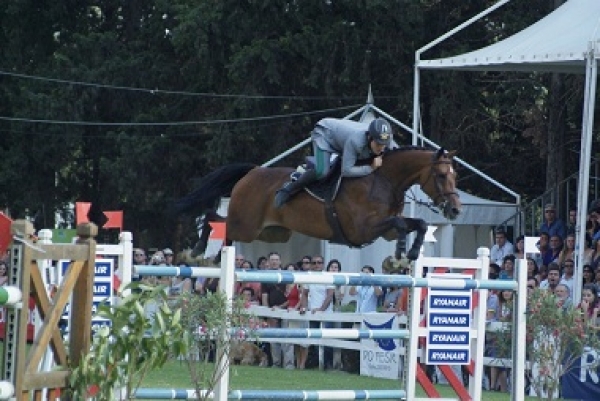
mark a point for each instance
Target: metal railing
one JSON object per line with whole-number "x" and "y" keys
{"x": 563, "y": 195}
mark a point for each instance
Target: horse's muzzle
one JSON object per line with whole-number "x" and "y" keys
{"x": 450, "y": 210}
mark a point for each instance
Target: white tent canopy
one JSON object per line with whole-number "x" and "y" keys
{"x": 565, "y": 41}
{"x": 559, "y": 43}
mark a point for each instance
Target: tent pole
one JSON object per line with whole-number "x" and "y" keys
{"x": 587, "y": 124}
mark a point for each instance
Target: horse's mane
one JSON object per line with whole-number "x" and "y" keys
{"x": 407, "y": 148}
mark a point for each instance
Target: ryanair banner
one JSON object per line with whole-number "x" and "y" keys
{"x": 582, "y": 381}
{"x": 380, "y": 357}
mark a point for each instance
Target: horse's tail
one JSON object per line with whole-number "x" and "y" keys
{"x": 211, "y": 188}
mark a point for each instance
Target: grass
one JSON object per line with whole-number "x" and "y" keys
{"x": 176, "y": 375}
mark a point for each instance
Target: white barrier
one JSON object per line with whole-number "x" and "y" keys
{"x": 479, "y": 265}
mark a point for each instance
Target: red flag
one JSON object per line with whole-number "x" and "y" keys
{"x": 81, "y": 212}
{"x": 5, "y": 236}
{"x": 218, "y": 231}
{"x": 115, "y": 220}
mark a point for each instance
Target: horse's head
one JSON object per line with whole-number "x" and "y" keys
{"x": 439, "y": 183}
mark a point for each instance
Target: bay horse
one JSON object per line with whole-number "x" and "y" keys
{"x": 363, "y": 210}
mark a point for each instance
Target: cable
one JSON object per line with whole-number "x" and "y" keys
{"x": 183, "y": 93}
{"x": 176, "y": 123}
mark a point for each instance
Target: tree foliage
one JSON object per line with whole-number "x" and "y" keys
{"x": 187, "y": 86}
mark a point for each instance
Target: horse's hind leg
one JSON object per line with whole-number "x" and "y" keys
{"x": 205, "y": 229}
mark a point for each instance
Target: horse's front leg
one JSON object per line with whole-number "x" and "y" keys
{"x": 403, "y": 227}
{"x": 420, "y": 227}
{"x": 398, "y": 224}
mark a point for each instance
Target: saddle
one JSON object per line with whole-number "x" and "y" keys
{"x": 326, "y": 188}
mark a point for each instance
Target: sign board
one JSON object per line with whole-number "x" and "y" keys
{"x": 448, "y": 324}
{"x": 380, "y": 357}
{"x": 103, "y": 288}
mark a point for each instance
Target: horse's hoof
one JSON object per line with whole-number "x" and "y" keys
{"x": 199, "y": 249}
{"x": 397, "y": 265}
{"x": 413, "y": 254}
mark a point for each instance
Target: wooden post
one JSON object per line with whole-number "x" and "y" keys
{"x": 81, "y": 307}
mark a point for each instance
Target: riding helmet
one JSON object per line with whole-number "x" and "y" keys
{"x": 380, "y": 131}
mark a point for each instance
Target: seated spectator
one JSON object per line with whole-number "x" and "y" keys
{"x": 567, "y": 274}
{"x": 507, "y": 271}
{"x": 494, "y": 271}
{"x": 590, "y": 306}
{"x": 563, "y": 297}
{"x": 588, "y": 275}
{"x": 501, "y": 248}
{"x": 553, "y": 278}
{"x": 553, "y": 225}
{"x": 533, "y": 269}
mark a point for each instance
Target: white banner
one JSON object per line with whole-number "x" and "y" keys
{"x": 380, "y": 358}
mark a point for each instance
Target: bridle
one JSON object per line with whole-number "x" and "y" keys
{"x": 441, "y": 198}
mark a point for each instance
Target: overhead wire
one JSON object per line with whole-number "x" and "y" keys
{"x": 182, "y": 93}
{"x": 173, "y": 123}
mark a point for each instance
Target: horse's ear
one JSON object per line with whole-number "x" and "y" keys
{"x": 441, "y": 152}
{"x": 451, "y": 154}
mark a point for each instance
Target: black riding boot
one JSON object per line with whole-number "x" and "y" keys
{"x": 292, "y": 187}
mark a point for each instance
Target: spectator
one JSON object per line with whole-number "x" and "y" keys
{"x": 553, "y": 278}
{"x": 273, "y": 296}
{"x": 502, "y": 313}
{"x": 532, "y": 284}
{"x": 520, "y": 247}
{"x": 262, "y": 263}
{"x": 597, "y": 278}
{"x": 563, "y": 297}
{"x": 572, "y": 223}
{"x": 588, "y": 275}
{"x": 305, "y": 263}
{"x": 567, "y": 276}
{"x": 334, "y": 266}
{"x": 568, "y": 250}
{"x": 139, "y": 256}
{"x": 594, "y": 259}
{"x": 533, "y": 270}
{"x": 590, "y": 305}
{"x": 494, "y": 271}
{"x": 555, "y": 249}
{"x": 180, "y": 285}
{"x": 168, "y": 256}
{"x": 544, "y": 248}
{"x": 319, "y": 298}
{"x": 367, "y": 294}
{"x": 501, "y": 248}
{"x": 247, "y": 295}
{"x": 553, "y": 225}
{"x": 507, "y": 271}
{"x": 293, "y": 295}
{"x": 239, "y": 259}
{"x": 239, "y": 286}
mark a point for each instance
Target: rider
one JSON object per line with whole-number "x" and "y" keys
{"x": 353, "y": 140}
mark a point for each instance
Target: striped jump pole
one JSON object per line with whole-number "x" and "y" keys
{"x": 349, "y": 334}
{"x": 10, "y": 296}
{"x": 288, "y": 395}
{"x": 173, "y": 271}
{"x": 385, "y": 280}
